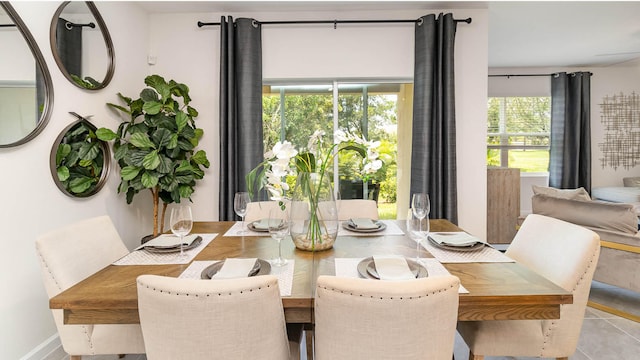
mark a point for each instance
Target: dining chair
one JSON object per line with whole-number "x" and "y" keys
{"x": 214, "y": 319}
{"x": 357, "y": 208}
{"x": 67, "y": 256}
{"x": 372, "y": 319}
{"x": 258, "y": 210}
{"x": 567, "y": 255}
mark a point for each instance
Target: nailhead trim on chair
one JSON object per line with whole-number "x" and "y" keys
{"x": 389, "y": 298}
{"x": 198, "y": 295}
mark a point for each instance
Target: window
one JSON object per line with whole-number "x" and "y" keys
{"x": 518, "y": 133}
{"x": 293, "y": 111}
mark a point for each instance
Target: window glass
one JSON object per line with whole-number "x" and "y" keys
{"x": 518, "y": 130}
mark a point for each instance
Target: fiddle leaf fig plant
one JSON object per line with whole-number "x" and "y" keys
{"x": 156, "y": 146}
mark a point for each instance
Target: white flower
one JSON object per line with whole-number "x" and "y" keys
{"x": 314, "y": 139}
{"x": 340, "y": 136}
{"x": 372, "y": 167}
{"x": 284, "y": 150}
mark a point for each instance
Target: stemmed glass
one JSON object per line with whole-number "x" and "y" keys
{"x": 420, "y": 207}
{"x": 181, "y": 224}
{"x": 417, "y": 232}
{"x": 278, "y": 229}
{"x": 240, "y": 202}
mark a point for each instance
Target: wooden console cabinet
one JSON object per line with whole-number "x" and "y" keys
{"x": 503, "y": 204}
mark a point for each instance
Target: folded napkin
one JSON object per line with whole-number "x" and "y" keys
{"x": 392, "y": 267}
{"x": 363, "y": 223}
{"x": 262, "y": 224}
{"x": 168, "y": 241}
{"x": 459, "y": 238}
{"x": 235, "y": 268}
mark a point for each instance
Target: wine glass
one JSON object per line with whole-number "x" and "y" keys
{"x": 181, "y": 224}
{"x": 416, "y": 232}
{"x": 278, "y": 229}
{"x": 240, "y": 202}
{"x": 420, "y": 207}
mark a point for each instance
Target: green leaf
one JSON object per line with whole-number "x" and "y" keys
{"x": 185, "y": 191}
{"x": 185, "y": 145}
{"x": 129, "y": 172}
{"x": 80, "y": 185}
{"x": 141, "y": 140}
{"x": 63, "y": 173}
{"x": 151, "y": 161}
{"x": 306, "y": 162}
{"x": 120, "y": 151}
{"x": 192, "y": 112}
{"x": 357, "y": 149}
{"x": 200, "y": 157}
{"x": 173, "y": 142}
{"x": 105, "y": 134}
{"x": 162, "y": 137}
{"x": 181, "y": 120}
{"x": 169, "y": 183}
{"x": 89, "y": 151}
{"x": 149, "y": 95}
{"x": 85, "y": 163}
{"x": 166, "y": 165}
{"x": 125, "y": 99}
{"x": 149, "y": 179}
{"x": 152, "y": 107}
{"x": 62, "y": 152}
{"x": 184, "y": 166}
{"x": 130, "y": 193}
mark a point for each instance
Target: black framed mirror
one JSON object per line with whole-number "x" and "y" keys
{"x": 81, "y": 45}
{"x": 26, "y": 90}
{"x": 79, "y": 161}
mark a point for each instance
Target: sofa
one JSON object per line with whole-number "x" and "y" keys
{"x": 616, "y": 223}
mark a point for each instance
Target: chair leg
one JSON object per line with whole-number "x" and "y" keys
{"x": 120, "y": 356}
{"x": 75, "y": 357}
{"x": 472, "y": 356}
{"x": 562, "y": 358}
{"x": 309, "y": 340}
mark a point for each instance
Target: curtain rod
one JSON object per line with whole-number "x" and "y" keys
{"x": 69, "y": 25}
{"x": 7, "y": 25}
{"x": 334, "y": 22}
{"x": 522, "y": 75}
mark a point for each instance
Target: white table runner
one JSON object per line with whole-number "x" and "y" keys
{"x": 487, "y": 254}
{"x": 348, "y": 267}
{"x": 284, "y": 273}
{"x": 143, "y": 257}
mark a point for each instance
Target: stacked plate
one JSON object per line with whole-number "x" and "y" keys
{"x": 163, "y": 249}
{"x": 356, "y": 225}
{"x": 455, "y": 241}
{"x": 367, "y": 269}
{"x": 262, "y": 267}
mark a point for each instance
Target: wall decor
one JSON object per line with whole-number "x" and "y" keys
{"x": 79, "y": 161}
{"x": 81, "y": 45}
{"x": 26, "y": 90}
{"x": 620, "y": 115}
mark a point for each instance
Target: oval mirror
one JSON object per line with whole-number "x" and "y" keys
{"x": 81, "y": 45}
{"x": 79, "y": 162}
{"x": 26, "y": 91}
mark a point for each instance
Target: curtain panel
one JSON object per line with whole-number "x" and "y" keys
{"x": 570, "y": 149}
{"x": 433, "y": 153}
{"x": 241, "y": 141}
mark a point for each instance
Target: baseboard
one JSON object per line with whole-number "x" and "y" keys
{"x": 50, "y": 349}
{"x": 613, "y": 311}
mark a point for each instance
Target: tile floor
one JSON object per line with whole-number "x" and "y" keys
{"x": 604, "y": 337}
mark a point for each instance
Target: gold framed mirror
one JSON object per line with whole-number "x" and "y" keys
{"x": 79, "y": 161}
{"x": 81, "y": 45}
{"x": 26, "y": 89}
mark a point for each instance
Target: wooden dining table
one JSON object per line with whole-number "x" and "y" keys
{"x": 496, "y": 291}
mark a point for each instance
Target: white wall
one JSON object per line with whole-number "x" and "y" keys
{"x": 31, "y": 202}
{"x": 190, "y": 55}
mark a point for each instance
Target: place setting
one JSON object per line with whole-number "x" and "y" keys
{"x": 368, "y": 227}
{"x": 180, "y": 247}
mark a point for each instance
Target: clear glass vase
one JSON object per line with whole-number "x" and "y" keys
{"x": 314, "y": 216}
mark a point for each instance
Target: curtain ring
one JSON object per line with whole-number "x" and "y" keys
{"x": 420, "y": 21}
{"x": 255, "y": 23}
{"x": 68, "y": 25}
{"x": 335, "y": 24}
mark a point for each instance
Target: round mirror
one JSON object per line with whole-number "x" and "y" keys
{"x": 81, "y": 45}
{"x": 26, "y": 91}
{"x": 79, "y": 161}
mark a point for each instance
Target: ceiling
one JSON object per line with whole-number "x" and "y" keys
{"x": 521, "y": 34}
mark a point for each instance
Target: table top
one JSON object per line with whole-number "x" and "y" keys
{"x": 497, "y": 291}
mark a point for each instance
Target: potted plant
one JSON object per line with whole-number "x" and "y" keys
{"x": 155, "y": 146}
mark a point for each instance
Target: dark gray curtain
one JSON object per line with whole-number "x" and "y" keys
{"x": 241, "y": 141}
{"x": 433, "y": 153}
{"x": 570, "y": 152}
{"x": 69, "y": 46}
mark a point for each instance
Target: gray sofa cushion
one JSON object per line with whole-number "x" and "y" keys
{"x": 617, "y": 194}
{"x": 574, "y": 194}
{"x": 633, "y": 181}
{"x": 595, "y": 214}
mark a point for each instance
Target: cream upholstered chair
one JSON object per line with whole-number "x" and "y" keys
{"x": 213, "y": 319}
{"x": 564, "y": 253}
{"x": 69, "y": 255}
{"x": 371, "y": 319}
{"x": 257, "y": 210}
{"x": 357, "y": 208}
